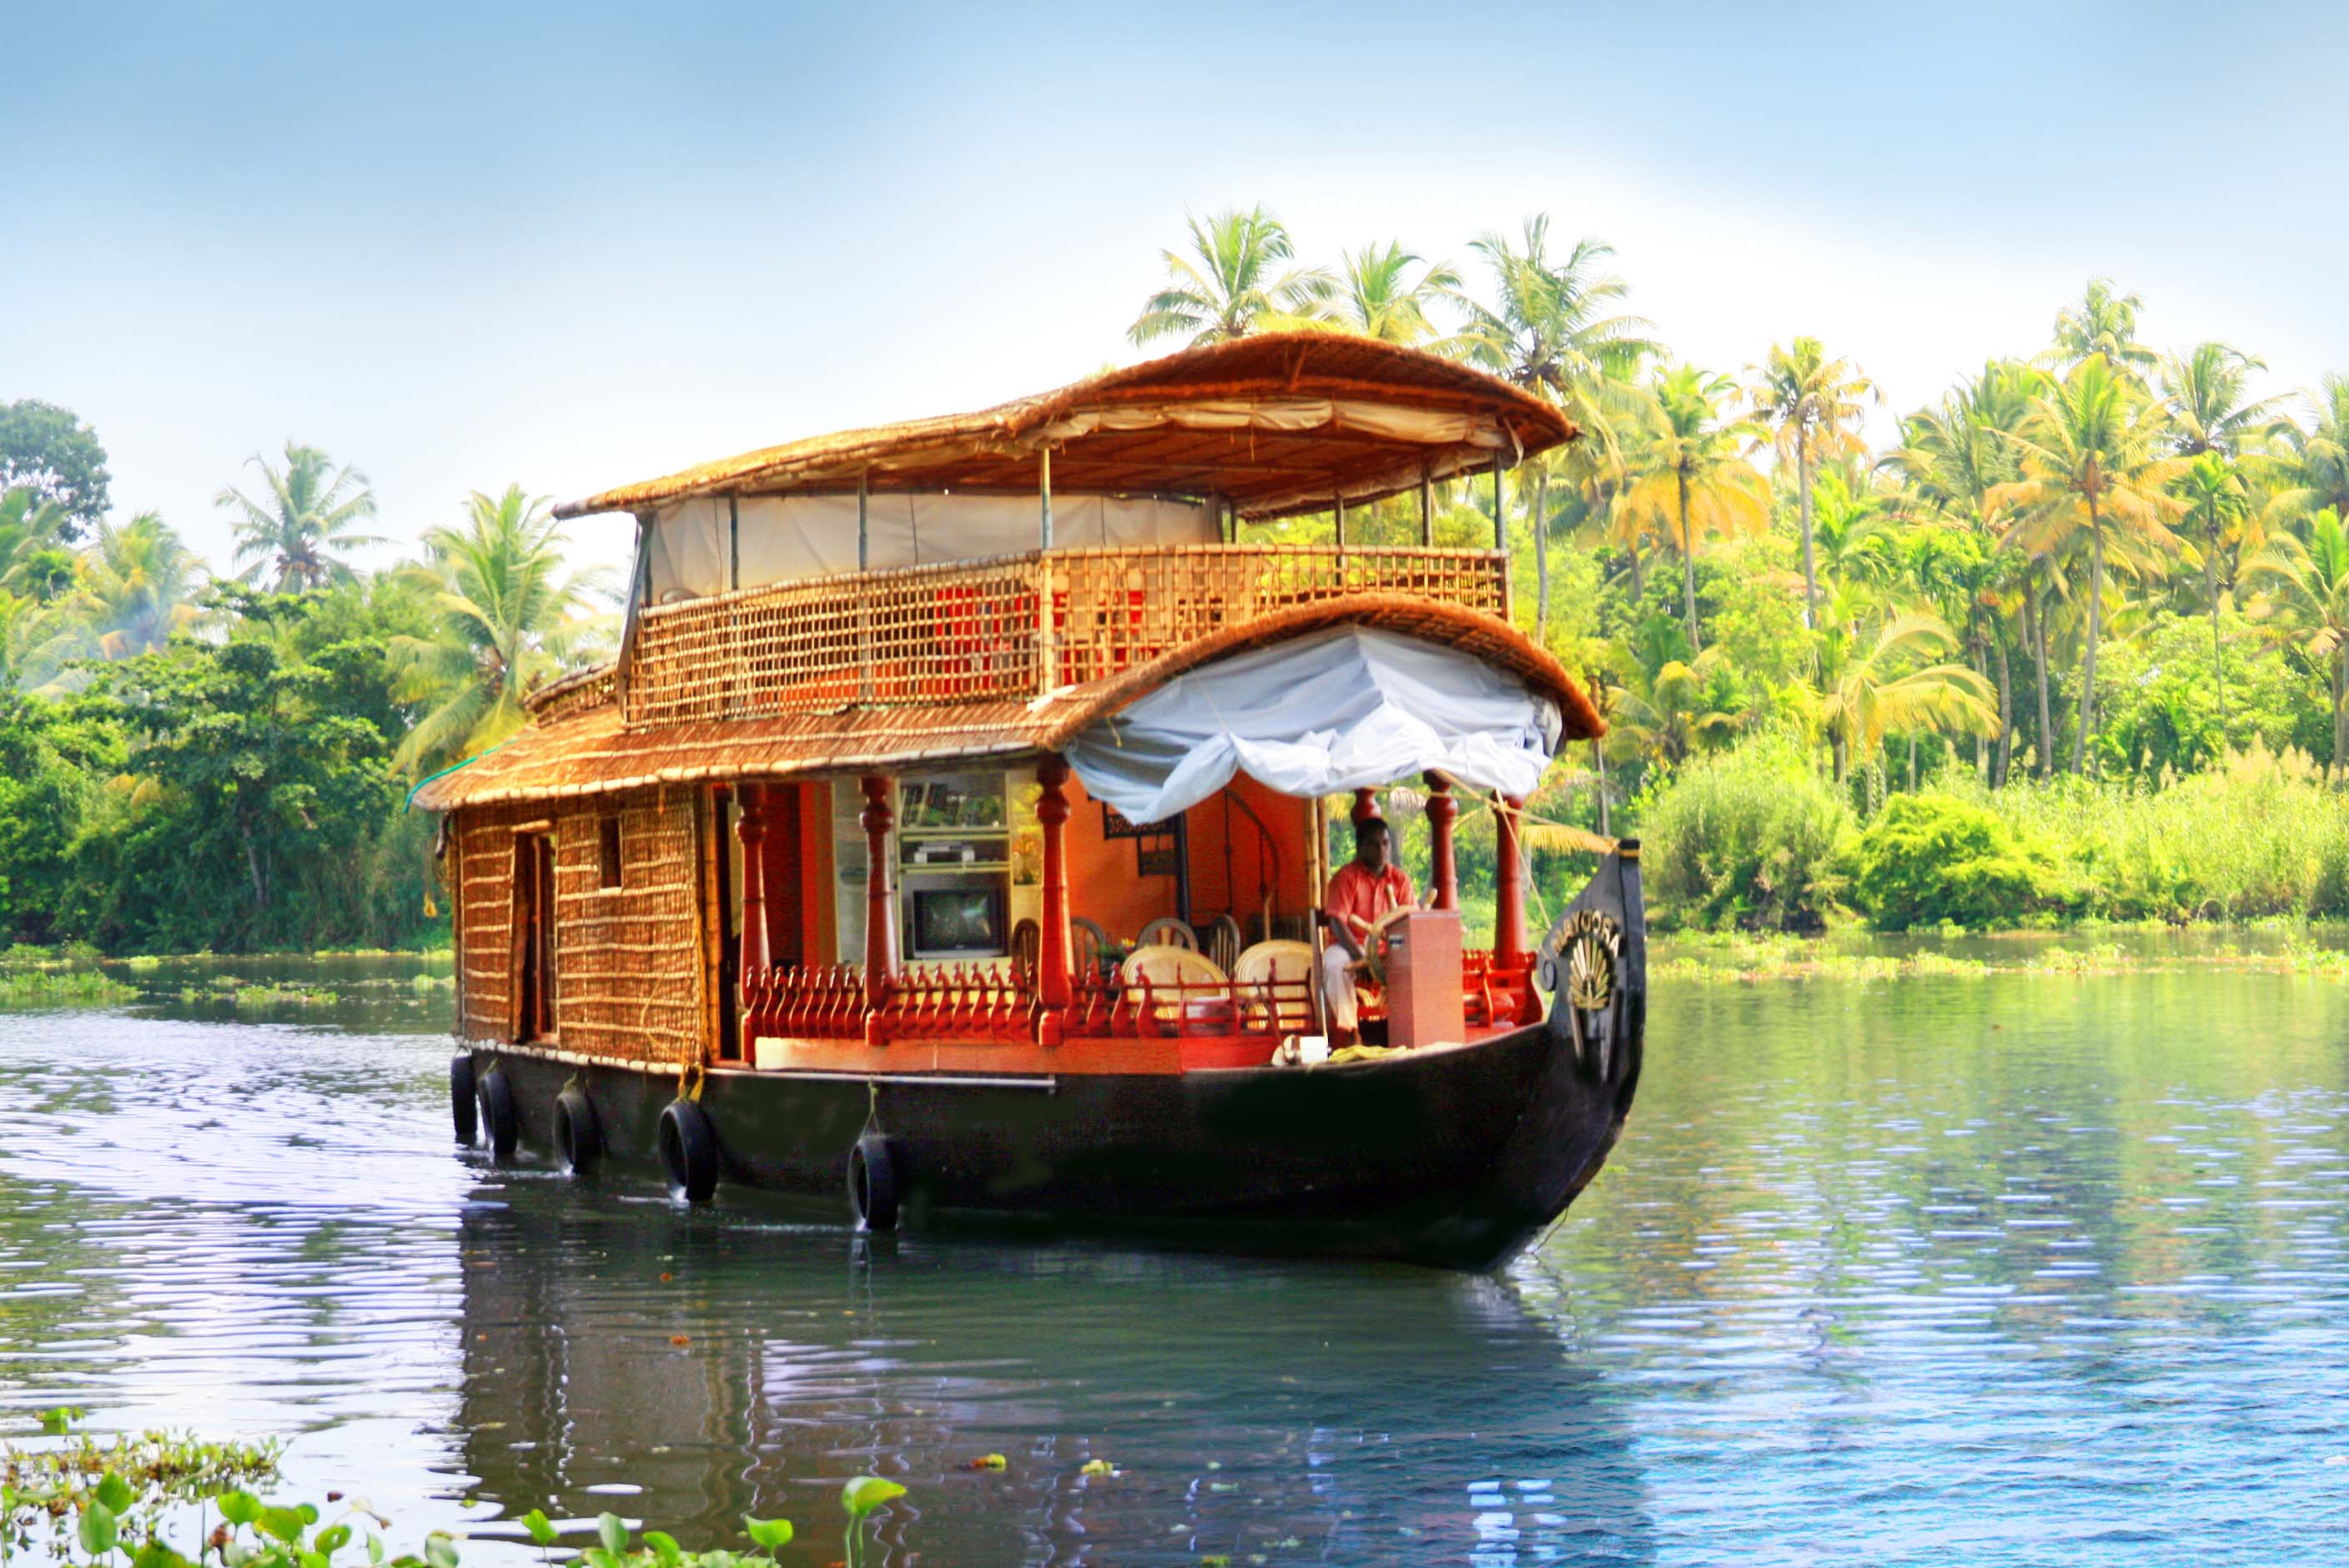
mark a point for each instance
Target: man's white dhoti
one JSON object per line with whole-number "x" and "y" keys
{"x": 1338, "y": 986}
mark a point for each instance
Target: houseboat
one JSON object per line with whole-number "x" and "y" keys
{"x": 949, "y": 841}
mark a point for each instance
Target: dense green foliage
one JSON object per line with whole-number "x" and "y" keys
{"x": 188, "y": 766}
{"x": 2073, "y": 642}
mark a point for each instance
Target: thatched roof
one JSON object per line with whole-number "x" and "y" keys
{"x": 1276, "y": 423}
{"x": 581, "y": 752}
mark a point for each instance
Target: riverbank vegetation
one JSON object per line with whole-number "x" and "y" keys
{"x": 2069, "y": 641}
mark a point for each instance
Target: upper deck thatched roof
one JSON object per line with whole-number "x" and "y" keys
{"x": 1276, "y": 423}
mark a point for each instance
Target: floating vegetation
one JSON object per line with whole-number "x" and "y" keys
{"x": 52, "y": 986}
{"x": 80, "y": 1492}
{"x": 1753, "y": 956}
{"x": 247, "y": 997}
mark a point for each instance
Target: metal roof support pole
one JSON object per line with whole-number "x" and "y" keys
{"x": 1500, "y": 519}
{"x": 733, "y": 542}
{"x": 1046, "y": 662}
{"x": 864, "y": 592}
{"x": 1426, "y": 509}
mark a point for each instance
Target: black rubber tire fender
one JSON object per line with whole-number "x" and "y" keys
{"x": 495, "y": 1096}
{"x": 688, "y": 1149}
{"x": 578, "y": 1133}
{"x": 872, "y": 1184}
{"x": 461, "y": 1107}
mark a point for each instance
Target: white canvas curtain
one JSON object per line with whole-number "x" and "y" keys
{"x": 1345, "y": 709}
{"x": 784, "y": 537}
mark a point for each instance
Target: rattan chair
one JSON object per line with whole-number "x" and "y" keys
{"x": 1027, "y": 945}
{"x": 1223, "y": 942}
{"x": 1264, "y": 1009}
{"x": 1089, "y": 948}
{"x": 1167, "y": 931}
{"x": 1186, "y": 990}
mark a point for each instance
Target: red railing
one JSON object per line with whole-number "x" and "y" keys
{"x": 990, "y": 1002}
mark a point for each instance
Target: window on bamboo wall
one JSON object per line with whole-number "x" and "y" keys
{"x": 607, "y": 850}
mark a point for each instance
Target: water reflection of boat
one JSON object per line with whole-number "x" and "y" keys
{"x": 922, "y": 853}
{"x": 726, "y": 1365}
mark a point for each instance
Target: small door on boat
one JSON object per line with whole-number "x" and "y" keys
{"x": 533, "y": 937}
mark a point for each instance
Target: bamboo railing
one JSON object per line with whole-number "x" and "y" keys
{"x": 974, "y": 631}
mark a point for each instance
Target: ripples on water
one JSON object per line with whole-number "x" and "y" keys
{"x": 2008, "y": 1270}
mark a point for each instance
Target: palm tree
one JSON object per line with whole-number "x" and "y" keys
{"x": 1552, "y": 328}
{"x": 1813, "y": 402}
{"x": 2309, "y": 608}
{"x": 2103, "y": 326}
{"x": 2093, "y": 467}
{"x": 2206, "y": 390}
{"x": 1374, "y": 297}
{"x": 508, "y": 620}
{"x": 35, "y": 561}
{"x": 1227, "y": 287}
{"x": 310, "y": 511}
{"x": 1865, "y": 695}
{"x": 1952, "y": 456}
{"x": 2316, "y": 460}
{"x": 1693, "y": 472}
{"x": 2214, "y": 496}
{"x": 135, "y": 583}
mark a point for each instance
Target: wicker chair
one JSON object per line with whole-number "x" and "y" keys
{"x": 1189, "y": 992}
{"x": 1089, "y": 948}
{"x": 1263, "y": 1009}
{"x": 1027, "y": 945}
{"x": 1223, "y": 942}
{"x": 1167, "y": 931}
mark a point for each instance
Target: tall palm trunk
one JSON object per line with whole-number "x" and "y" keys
{"x": 1802, "y": 495}
{"x": 2003, "y": 759}
{"x": 1688, "y": 570}
{"x": 2339, "y": 714}
{"x": 1638, "y": 578}
{"x": 2044, "y": 753}
{"x": 2218, "y": 649}
{"x": 2096, "y": 629}
{"x": 1541, "y": 554}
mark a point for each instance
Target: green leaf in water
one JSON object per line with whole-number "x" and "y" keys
{"x": 439, "y": 1550}
{"x": 665, "y": 1548}
{"x": 115, "y": 1492}
{"x": 613, "y": 1531}
{"x": 97, "y": 1528}
{"x": 283, "y": 1523}
{"x": 333, "y": 1539}
{"x": 771, "y": 1533}
{"x": 867, "y": 1492}
{"x": 541, "y": 1528}
{"x": 59, "y": 1421}
{"x": 239, "y": 1507}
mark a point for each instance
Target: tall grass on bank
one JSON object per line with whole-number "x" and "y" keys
{"x": 1759, "y": 840}
{"x": 2256, "y": 835}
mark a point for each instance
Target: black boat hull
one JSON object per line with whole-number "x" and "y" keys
{"x": 1458, "y": 1156}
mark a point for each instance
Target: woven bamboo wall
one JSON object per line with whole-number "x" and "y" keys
{"x": 974, "y": 631}
{"x": 631, "y": 957}
{"x": 481, "y": 872}
{"x": 629, "y": 964}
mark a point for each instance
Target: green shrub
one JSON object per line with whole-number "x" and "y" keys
{"x": 1929, "y": 859}
{"x": 1747, "y": 840}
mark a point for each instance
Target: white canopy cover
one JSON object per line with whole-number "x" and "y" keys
{"x": 1349, "y": 708}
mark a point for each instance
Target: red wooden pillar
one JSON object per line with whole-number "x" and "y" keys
{"x": 1054, "y": 990}
{"x": 1508, "y": 882}
{"x": 751, "y": 827}
{"x": 1442, "y": 809}
{"x": 1366, "y": 804}
{"x": 880, "y": 904}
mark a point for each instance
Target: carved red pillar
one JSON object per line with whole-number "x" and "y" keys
{"x": 1054, "y": 990}
{"x": 1442, "y": 809}
{"x": 1508, "y": 882}
{"x": 1366, "y": 804}
{"x": 751, "y": 827}
{"x": 880, "y": 906}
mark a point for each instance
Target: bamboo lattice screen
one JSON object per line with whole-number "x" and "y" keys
{"x": 973, "y": 631}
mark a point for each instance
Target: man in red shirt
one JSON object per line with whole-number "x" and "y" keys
{"x": 1363, "y": 888}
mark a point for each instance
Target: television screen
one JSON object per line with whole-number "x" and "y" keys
{"x": 958, "y": 920}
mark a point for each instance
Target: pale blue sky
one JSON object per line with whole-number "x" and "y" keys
{"x": 577, "y": 245}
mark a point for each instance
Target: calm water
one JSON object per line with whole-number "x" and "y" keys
{"x": 1986, "y": 1271}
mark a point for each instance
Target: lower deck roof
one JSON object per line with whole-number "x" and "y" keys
{"x": 592, "y": 752}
